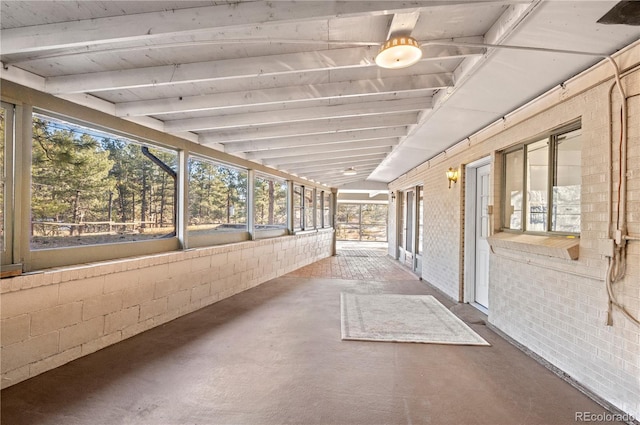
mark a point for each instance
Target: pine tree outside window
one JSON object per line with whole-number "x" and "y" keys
{"x": 92, "y": 187}
{"x": 270, "y": 203}
{"x": 217, "y": 198}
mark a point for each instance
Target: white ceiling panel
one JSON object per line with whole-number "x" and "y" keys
{"x": 27, "y": 13}
{"x": 294, "y": 84}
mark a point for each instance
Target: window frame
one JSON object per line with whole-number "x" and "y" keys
{"x": 318, "y": 213}
{"x": 326, "y": 209}
{"x": 358, "y": 208}
{"x": 28, "y": 260}
{"x": 282, "y": 230}
{"x": 298, "y": 224}
{"x": 38, "y": 259}
{"x": 7, "y": 253}
{"x": 195, "y": 240}
{"x": 309, "y": 208}
{"x": 552, "y": 137}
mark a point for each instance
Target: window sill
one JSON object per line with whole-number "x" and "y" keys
{"x": 305, "y": 232}
{"x": 10, "y": 270}
{"x": 551, "y": 246}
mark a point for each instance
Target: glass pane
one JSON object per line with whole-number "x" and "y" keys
{"x": 409, "y": 222}
{"x": 318, "y": 208}
{"x": 484, "y": 206}
{"x": 401, "y": 219}
{"x": 513, "y": 190}
{"x": 348, "y": 222}
{"x": 537, "y": 185}
{"x": 3, "y": 128}
{"x": 327, "y": 209}
{"x": 566, "y": 188}
{"x": 297, "y": 207}
{"x": 420, "y": 220}
{"x": 308, "y": 208}
{"x": 270, "y": 203}
{"x": 348, "y": 213}
{"x": 374, "y": 222}
{"x": 217, "y": 198}
{"x": 92, "y": 187}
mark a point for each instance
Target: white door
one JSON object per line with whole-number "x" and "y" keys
{"x": 409, "y": 236}
{"x": 402, "y": 230}
{"x": 419, "y": 229}
{"x": 481, "y": 233}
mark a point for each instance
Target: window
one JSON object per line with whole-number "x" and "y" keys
{"x": 319, "y": 209}
{"x": 91, "y": 187}
{"x": 542, "y": 184}
{"x": 373, "y": 225}
{"x": 326, "y": 208}
{"x": 361, "y": 222}
{"x": 298, "y": 207}
{"x": 3, "y": 119}
{"x": 6, "y": 133}
{"x": 420, "y": 195}
{"x": 217, "y": 198}
{"x": 270, "y": 203}
{"x": 308, "y": 208}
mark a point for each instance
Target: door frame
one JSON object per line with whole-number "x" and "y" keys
{"x": 468, "y": 283}
{"x": 412, "y": 209}
{"x": 418, "y": 248}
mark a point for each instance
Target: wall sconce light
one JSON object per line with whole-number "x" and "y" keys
{"x": 393, "y": 196}
{"x": 452, "y": 175}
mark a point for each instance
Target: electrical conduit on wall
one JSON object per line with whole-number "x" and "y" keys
{"x": 617, "y": 262}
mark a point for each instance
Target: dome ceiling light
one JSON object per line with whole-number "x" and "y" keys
{"x": 399, "y": 52}
{"x": 350, "y": 172}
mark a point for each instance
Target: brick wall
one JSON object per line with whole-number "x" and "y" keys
{"x": 58, "y": 315}
{"x": 556, "y": 307}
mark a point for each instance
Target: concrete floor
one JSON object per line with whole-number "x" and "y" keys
{"x": 273, "y": 355}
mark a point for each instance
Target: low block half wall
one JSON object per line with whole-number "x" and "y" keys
{"x": 55, "y": 316}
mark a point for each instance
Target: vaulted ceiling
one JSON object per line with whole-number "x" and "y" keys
{"x": 294, "y": 85}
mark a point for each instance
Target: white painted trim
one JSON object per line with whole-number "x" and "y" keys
{"x": 315, "y": 139}
{"x": 276, "y": 154}
{"x": 480, "y": 307}
{"x": 221, "y": 122}
{"x": 321, "y": 126}
{"x": 302, "y": 95}
{"x": 470, "y": 228}
{"x": 164, "y": 25}
{"x": 329, "y": 157}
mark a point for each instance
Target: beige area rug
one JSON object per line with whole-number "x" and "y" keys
{"x": 402, "y": 318}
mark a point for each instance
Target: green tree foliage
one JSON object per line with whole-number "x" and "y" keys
{"x": 362, "y": 222}
{"x": 80, "y": 176}
{"x": 270, "y": 202}
{"x": 143, "y": 191}
{"x": 217, "y": 194}
{"x": 70, "y": 175}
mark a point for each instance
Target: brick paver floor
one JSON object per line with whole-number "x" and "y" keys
{"x": 357, "y": 264}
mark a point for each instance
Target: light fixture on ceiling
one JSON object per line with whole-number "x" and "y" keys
{"x": 452, "y": 175}
{"x": 350, "y": 172}
{"x": 399, "y": 52}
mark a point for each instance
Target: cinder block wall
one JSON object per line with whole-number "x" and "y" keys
{"x": 555, "y": 307}
{"x": 53, "y": 317}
